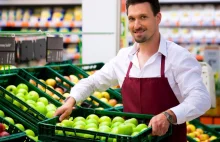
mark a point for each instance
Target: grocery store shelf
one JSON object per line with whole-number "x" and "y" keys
{"x": 40, "y": 2}
{"x": 201, "y": 23}
{"x": 69, "y": 24}
{"x": 189, "y": 1}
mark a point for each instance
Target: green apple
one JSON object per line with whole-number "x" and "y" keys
{"x": 104, "y": 130}
{"x": 2, "y": 114}
{"x": 80, "y": 122}
{"x": 6, "y": 126}
{"x": 131, "y": 124}
{"x": 88, "y": 135}
{"x": 12, "y": 89}
{"x": 32, "y": 95}
{"x": 114, "y": 130}
{"x": 104, "y": 127}
{"x": 20, "y": 126}
{"x": 140, "y": 127}
{"x": 134, "y": 133}
{"x": 68, "y": 123}
{"x": 104, "y": 118}
{"x": 132, "y": 120}
{"x": 23, "y": 91}
{"x": 51, "y": 107}
{"x": 34, "y": 138}
{"x": 82, "y": 127}
{"x": 92, "y": 116}
{"x": 16, "y": 103}
{"x": 9, "y": 119}
{"x": 118, "y": 119}
{"x": 43, "y": 100}
{"x": 125, "y": 129}
{"x": 20, "y": 95}
{"x": 88, "y": 121}
{"x": 41, "y": 104}
{"x": 7, "y": 97}
{"x": 91, "y": 125}
{"x": 106, "y": 123}
{"x": 59, "y": 132}
{"x": 79, "y": 118}
{"x": 50, "y": 114}
{"x": 31, "y": 102}
{"x": 116, "y": 124}
{"x": 29, "y": 132}
{"x": 41, "y": 108}
{"x": 23, "y": 86}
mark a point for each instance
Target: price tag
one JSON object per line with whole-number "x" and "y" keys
{"x": 212, "y": 57}
{"x": 7, "y": 50}
{"x": 40, "y": 49}
{"x": 54, "y": 49}
{"x": 26, "y": 51}
{"x": 54, "y": 56}
{"x": 54, "y": 43}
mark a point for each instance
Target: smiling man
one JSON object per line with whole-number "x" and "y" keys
{"x": 156, "y": 76}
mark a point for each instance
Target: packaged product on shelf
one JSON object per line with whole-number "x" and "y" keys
{"x": 35, "y": 17}
{"x": 19, "y": 14}
{"x": 11, "y": 15}
{"x": 27, "y": 15}
{"x": 68, "y": 15}
{"x": 45, "y": 14}
{"x": 4, "y": 16}
{"x": 186, "y": 15}
{"x": 197, "y": 14}
{"x": 217, "y": 15}
{"x": 174, "y": 15}
{"x": 78, "y": 13}
{"x": 57, "y": 14}
{"x": 208, "y": 14}
{"x": 165, "y": 12}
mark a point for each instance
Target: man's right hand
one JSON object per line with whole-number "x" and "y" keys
{"x": 66, "y": 109}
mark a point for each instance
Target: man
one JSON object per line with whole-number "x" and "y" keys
{"x": 157, "y": 76}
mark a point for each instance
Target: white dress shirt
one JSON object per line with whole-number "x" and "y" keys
{"x": 181, "y": 68}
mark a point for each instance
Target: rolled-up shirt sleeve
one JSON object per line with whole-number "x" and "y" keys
{"x": 196, "y": 97}
{"x": 99, "y": 81}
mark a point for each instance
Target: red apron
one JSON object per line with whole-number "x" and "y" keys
{"x": 151, "y": 96}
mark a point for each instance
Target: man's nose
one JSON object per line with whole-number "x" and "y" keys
{"x": 137, "y": 24}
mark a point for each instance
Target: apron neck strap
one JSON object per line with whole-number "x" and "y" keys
{"x": 162, "y": 70}
{"x": 129, "y": 68}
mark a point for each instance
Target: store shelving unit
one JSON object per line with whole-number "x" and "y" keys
{"x": 35, "y": 10}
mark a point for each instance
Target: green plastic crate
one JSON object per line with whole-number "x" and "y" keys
{"x": 60, "y": 63}
{"x": 206, "y": 129}
{"x": 14, "y": 79}
{"x": 45, "y": 73}
{"x": 215, "y": 127}
{"x": 19, "y": 137}
{"x": 91, "y": 67}
{"x": 25, "y": 75}
{"x": 48, "y": 127}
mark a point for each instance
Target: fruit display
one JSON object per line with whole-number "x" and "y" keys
{"x": 197, "y": 132}
{"x": 24, "y": 96}
{"x": 102, "y": 125}
{"x": 3, "y": 131}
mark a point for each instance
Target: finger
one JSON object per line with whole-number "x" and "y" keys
{"x": 154, "y": 129}
{"x": 64, "y": 115}
{"x": 58, "y": 112}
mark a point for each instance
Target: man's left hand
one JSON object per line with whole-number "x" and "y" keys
{"x": 159, "y": 124}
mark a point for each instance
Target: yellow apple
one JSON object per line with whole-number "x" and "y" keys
{"x": 51, "y": 82}
{"x": 98, "y": 95}
{"x": 203, "y": 137}
{"x": 66, "y": 95}
{"x": 74, "y": 79}
{"x": 190, "y": 128}
{"x": 212, "y": 138}
{"x": 192, "y": 135}
{"x": 200, "y": 130}
{"x": 32, "y": 82}
{"x": 112, "y": 102}
{"x": 106, "y": 95}
{"x": 104, "y": 100}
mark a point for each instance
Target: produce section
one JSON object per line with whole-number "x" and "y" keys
{"x": 31, "y": 90}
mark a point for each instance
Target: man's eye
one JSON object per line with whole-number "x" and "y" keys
{"x": 131, "y": 19}
{"x": 143, "y": 17}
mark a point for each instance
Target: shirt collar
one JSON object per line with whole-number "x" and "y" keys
{"x": 162, "y": 48}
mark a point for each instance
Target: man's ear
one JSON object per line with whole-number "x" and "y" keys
{"x": 158, "y": 17}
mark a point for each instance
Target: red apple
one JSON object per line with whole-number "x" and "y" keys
{"x": 2, "y": 127}
{"x": 60, "y": 90}
{"x": 2, "y": 134}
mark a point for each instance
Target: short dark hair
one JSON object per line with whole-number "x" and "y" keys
{"x": 155, "y": 6}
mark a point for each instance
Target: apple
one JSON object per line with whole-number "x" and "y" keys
{"x": 125, "y": 129}
{"x": 66, "y": 84}
{"x": 203, "y": 137}
{"x": 212, "y": 138}
{"x": 22, "y": 86}
{"x": 91, "y": 125}
{"x": 43, "y": 100}
{"x": 20, "y": 126}
{"x": 41, "y": 80}
{"x": 134, "y": 133}
{"x": 88, "y": 121}
{"x": 79, "y": 118}
{"x": 118, "y": 119}
{"x": 192, "y": 135}
{"x": 79, "y": 122}
{"x": 132, "y": 120}
{"x": 104, "y": 127}
{"x": 9, "y": 119}
{"x": 88, "y": 135}
{"x": 59, "y": 90}
{"x": 2, "y": 114}
{"x": 105, "y": 123}
{"x": 20, "y": 95}
{"x": 112, "y": 102}
{"x": 200, "y": 130}
{"x": 68, "y": 123}
{"x": 29, "y": 132}
{"x": 104, "y": 118}
{"x": 51, "y": 82}
{"x": 79, "y": 127}
{"x": 2, "y": 127}
{"x": 12, "y": 89}
{"x": 190, "y": 128}
{"x": 66, "y": 95}
{"x": 16, "y": 103}
{"x": 118, "y": 105}
{"x": 104, "y": 100}
{"x": 3, "y": 134}
{"x": 50, "y": 114}
{"x": 92, "y": 116}
{"x": 34, "y": 138}
{"x": 55, "y": 97}
{"x": 6, "y": 126}
{"x": 74, "y": 79}
{"x": 23, "y": 91}
{"x": 32, "y": 82}
{"x": 140, "y": 127}
{"x": 104, "y": 130}
{"x": 58, "y": 79}
{"x": 106, "y": 95}
{"x": 131, "y": 124}
{"x": 51, "y": 107}
{"x": 41, "y": 87}
{"x": 7, "y": 97}
{"x": 197, "y": 139}
{"x": 40, "y": 107}
{"x": 32, "y": 95}
{"x": 116, "y": 124}
{"x": 31, "y": 102}
{"x": 97, "y": 94}
{"x": 49, "y": 92}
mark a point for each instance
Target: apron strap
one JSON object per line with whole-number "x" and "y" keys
{"x": 129, "y": 68}
{"x": 162, "y": 66}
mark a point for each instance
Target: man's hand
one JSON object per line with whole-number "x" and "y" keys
{"x": 66, "y": 109}
{"x": 159, "y": 124}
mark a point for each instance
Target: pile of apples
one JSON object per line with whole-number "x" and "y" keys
{"x": 4, "y": 127}
{"x": 105, "y": 97}
{"x": 117, "y": 125}
{"x": 198, "y": 134}
{"x": 32, "y": 98}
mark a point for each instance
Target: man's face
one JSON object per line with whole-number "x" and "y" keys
{"x": 142, "y": 22}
